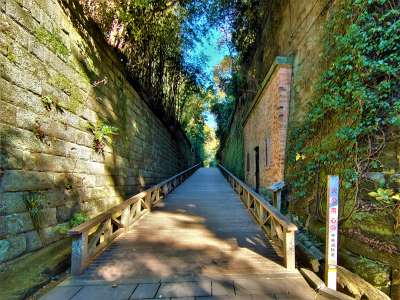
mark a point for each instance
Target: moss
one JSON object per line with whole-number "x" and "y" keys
{"x": 378, "y": 223}
{"x": 11, "y": 55}
{"x": 374, "y": 272}
{"x": 64, "y": 84}
{"x": 33, "y": 270}
{"x": 52, "y": 40}
{"x": 233, "y": 153}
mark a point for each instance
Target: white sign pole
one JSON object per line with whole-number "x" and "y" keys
{"x": 332, "y": 224}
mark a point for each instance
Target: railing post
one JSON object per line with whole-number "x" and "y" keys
{"x": 289, "y": 248}
{"x": 125, "y": 215}
{"x": 108, "y": 231}
{"x": 147, "y": 200}
{"x": 79, "y": 253}
{"x": 165, "y": 189}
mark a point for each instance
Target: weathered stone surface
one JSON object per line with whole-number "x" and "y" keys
{"x": 18, "y": 222}
{"x": 14, "y": 180}
{"x": 48, "y": 104}
{"x": 33, "y": 269}
{"x": 357, "y": 286}
{"x": 50, "y": 235}
{"x": 374, "y": 272}
{"x": 13, "y": 202}
{"x": 65, "y": 213}
{"x": 49, "y": 217}
{"x": 33, "y": 241}
{"x": 12, "y": 247}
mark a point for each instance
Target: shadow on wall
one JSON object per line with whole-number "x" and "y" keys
{"x": 59, "y": 93}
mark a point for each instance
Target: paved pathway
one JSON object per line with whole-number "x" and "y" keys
{"x": 201, "y": 243}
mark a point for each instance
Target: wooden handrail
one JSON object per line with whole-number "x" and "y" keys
{"x": 94, "y": 235}
{"x": 274, "y": 224}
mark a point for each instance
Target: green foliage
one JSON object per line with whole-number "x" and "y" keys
{"x": 234, "y": 152}
{"x": 70, "y": 89}
{"x": 151, "y": 37}
{"x": 354, "y": 105}
{"x": 11, "y": 55}
{"x": 50, "y": 102}
{"x": 34, "y": 205}
{"x": 77, "y": 219}
{"x": 52, "y": 40}
{"x": 102, "y": 135}
{"x": 47, "y": 102}
{"x": 210, "y": 147}
{"x": 266, "y": 193}
{"x": 223, "y": 109}
{"x": 386, "y": 196}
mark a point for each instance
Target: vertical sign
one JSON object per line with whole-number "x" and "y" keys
{"x": 332, "y": 222}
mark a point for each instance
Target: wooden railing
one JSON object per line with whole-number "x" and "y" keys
{"x": 275, "y": 225}
{"x": 92, "y": 236}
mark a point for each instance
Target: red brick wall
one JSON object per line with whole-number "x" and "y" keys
{"x": 268, "y": 120}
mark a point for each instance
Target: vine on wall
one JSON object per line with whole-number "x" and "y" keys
{"x": 355, "y": 107}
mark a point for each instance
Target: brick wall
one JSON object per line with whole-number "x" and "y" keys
{"x": 266, "y": 127}
{"x": 57, "y": 78}
{"x": 294, "y": 29}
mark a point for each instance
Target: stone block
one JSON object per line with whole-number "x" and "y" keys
{"x": 8, "y": 113}
{"x": 18, "y": 222}
{"x": 33, "y": 241}
{"x": 21, "y": 78}
{"x": 145, "y": 290}
{"x": 105, "y": 292}
{"x": 18, "y": 180}
{"x": 50, "y": 235}
{"x": 15, "y": 10}
{"x": 65, "y": 213}
{"x": 28, "y": 120}
{"x": 19, "y": 97}
{"x": 62, "y": 292}
{"x": 3, "y": 227}
{"x": 52, "y": 163}
{"x": 49, "y": 217}
{"x": 13, "y": 202}
{"x": 56, "y": 197}
{"x": 12, "y": 247}
{"x": 185, "y": 289}
{"x": 92, "y": 168}
{"x": 11, "y": 159}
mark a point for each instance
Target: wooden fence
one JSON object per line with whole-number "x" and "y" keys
{"x": 274, "y": 224}
{"x": 94, "y": 235}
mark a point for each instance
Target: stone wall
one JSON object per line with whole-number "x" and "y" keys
{"x": 59, "y": 81}
{"x": 266, "y": 126}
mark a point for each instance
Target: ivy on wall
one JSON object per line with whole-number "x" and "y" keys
{"x": 354, "y": 108}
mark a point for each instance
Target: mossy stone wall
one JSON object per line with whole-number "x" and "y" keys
{"x": 58, "y": 79}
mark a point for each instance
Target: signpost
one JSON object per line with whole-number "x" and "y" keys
{"x": 332, "y": 223}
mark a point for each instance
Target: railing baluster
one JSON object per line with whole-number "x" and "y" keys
{"x": 268, "y": 217}
{"x": 130, "y": 210}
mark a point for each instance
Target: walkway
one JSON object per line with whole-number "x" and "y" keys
{"x": 201, "y": 242}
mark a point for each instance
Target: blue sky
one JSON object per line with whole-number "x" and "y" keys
{"x": 213, "y": 52}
